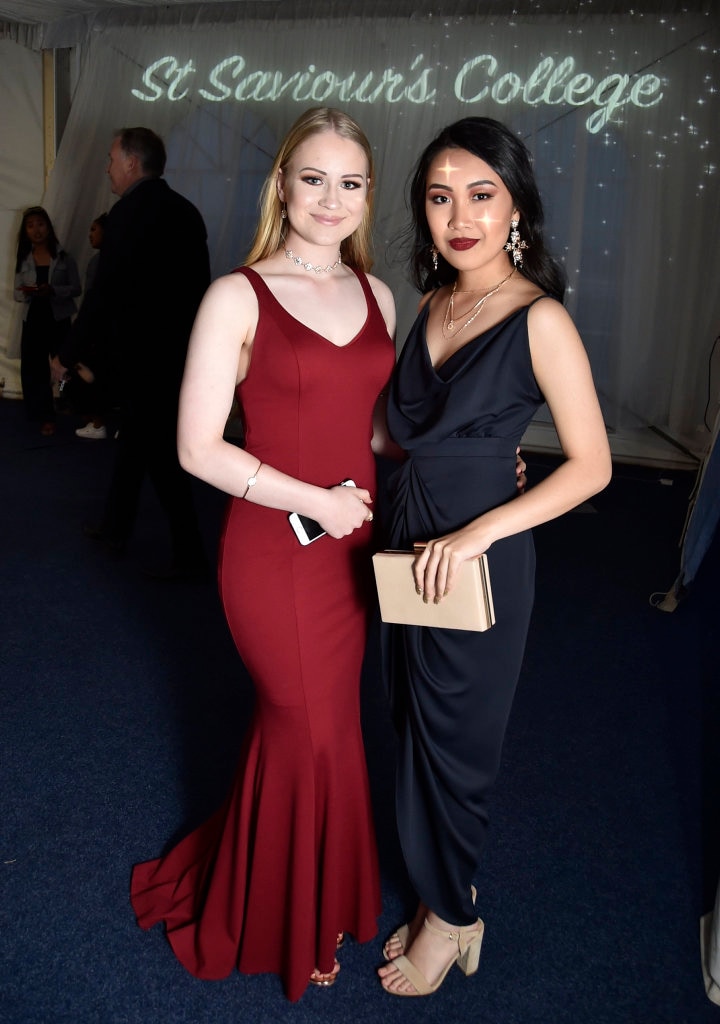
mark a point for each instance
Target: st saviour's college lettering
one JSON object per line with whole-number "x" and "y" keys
{"x": 552, "y": 82}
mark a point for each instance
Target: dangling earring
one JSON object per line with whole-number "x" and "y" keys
{"x": 283, "y": 212}
{"x": 434, "y": 254}
{"x": 516, "y": 244}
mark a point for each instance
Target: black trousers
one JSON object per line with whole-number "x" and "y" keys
{"x": 41, "y": 338}
{"x": 147, "y": 447}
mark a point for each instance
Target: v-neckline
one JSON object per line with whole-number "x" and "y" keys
{"x": 436, "y": 369}
{"x": 317, "y": 334}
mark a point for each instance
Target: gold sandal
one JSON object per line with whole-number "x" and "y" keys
{"x": 325, "y": 980}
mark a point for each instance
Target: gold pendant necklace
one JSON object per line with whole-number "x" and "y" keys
{"x": 449, "y": 321}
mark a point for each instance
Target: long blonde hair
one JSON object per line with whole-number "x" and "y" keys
{"x": 357, "y": 249}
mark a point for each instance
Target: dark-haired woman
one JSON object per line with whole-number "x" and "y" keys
{"x": 47, "y": 281}
{"x": 490, "y": 344}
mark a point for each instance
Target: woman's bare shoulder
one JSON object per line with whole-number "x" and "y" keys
{"x": 231, "y": 287}
{"x": 229, "y": 302}
{"x": 546, "y": 312}
{"x": 427, "y": 298}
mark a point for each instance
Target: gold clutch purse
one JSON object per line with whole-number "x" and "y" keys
{"x": 469, "y": 605}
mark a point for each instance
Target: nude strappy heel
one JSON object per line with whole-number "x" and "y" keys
{"x": 402, "y": 934}
{"x": 468, "y": 941}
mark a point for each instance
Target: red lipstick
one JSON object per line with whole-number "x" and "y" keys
{"x": 461, "y": 244}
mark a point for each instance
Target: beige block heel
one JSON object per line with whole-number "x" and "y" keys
{"x": 469, "y": 960}
{"x": 468, "y": 941}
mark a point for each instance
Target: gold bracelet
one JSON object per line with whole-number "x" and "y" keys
{"x": 251, "y": 481}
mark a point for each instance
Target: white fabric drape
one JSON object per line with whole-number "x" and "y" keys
{"x": 21, "y": 183}
{"x": 629, "y": 177}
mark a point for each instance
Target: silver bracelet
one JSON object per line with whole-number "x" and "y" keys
{"x": 251, "y": 481}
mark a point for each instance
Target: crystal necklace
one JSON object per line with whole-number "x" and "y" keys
{"x": 449, "y": 321}
{"x": 290, "y": 255}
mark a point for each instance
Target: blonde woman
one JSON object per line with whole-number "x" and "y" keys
{"x": 303, "y": 336}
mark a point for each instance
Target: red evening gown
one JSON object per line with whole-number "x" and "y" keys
{"x": 289, "y": 860}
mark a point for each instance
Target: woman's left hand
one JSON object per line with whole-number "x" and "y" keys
{"x": 437, "y": 565}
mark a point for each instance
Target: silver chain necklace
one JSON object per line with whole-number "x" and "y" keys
{"x": 306, "y": 265}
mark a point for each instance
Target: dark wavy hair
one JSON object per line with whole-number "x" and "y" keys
{"x": 508, "y": 156}
{"x": 24, "y": 245}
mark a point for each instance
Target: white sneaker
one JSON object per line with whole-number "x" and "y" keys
{"x": 95, "y": 433}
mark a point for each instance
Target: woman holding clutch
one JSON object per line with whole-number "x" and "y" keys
{"x": 490, "y": 344}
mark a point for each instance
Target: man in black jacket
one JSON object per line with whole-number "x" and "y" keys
{"x": 152, "y": 273}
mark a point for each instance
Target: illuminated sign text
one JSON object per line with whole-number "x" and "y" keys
{"x": 552, "y": 82}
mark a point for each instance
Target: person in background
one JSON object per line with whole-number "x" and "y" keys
{"x": 89, "y": 369}
{"x": 47, "y": 282}
{"x": 303, "y": 336}
{"x": 152, "y": 273}
{"x": 492, "y": 341}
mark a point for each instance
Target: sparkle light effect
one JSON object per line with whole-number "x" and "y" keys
{"x": 660, "y": 158}
{"x": 486, "y": 220}
{"x": 447, "y": 168}
{"x": 633, "y": 190}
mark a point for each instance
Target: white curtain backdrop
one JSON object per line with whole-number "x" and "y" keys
{"x": 21, "y": 183}
{"x": 620, "y": 112}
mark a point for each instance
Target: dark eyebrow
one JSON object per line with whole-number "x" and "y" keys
{"x": 472, "y": 184}
{"x": 316, "y": 170}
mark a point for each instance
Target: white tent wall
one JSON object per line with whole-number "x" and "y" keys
{"x": 21, "y": 183}
{"x": 620, "y": 112}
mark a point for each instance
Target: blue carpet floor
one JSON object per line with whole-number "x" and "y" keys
{"x": 123, "y": 707}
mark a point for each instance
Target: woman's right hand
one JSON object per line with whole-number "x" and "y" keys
{"x": 520, "y": 471}
{"x": 345, "y": 510}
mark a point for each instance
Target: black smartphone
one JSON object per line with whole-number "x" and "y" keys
{"x": 307, "y": 530}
